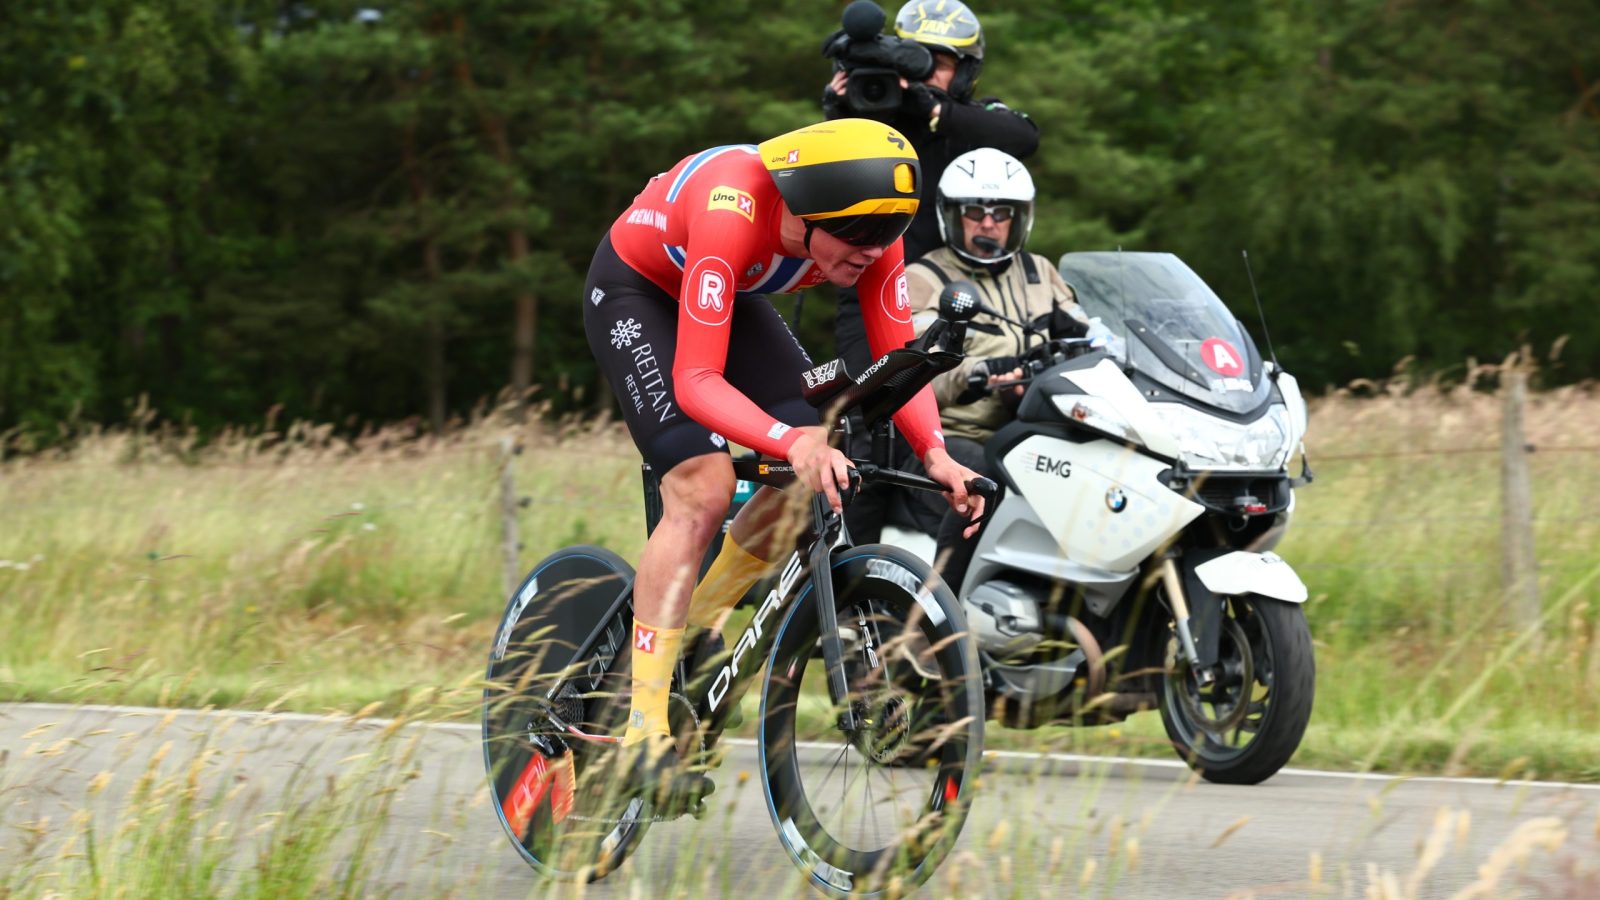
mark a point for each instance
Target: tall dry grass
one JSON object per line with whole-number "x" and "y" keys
{"x": 305, "y": 569}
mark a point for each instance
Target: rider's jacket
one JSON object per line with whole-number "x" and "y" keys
{"x": 707, "y": 230}
{"x": 1006, "y": 288}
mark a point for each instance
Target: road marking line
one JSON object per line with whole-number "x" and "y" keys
{"x": 1075, "y": 758}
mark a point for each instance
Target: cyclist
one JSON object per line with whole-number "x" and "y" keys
{"x": 674, "y": 313}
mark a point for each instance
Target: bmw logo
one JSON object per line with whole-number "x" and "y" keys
{"x": 1116, "y": 500}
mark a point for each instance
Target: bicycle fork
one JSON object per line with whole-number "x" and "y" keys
{"x": 821, "y": 564}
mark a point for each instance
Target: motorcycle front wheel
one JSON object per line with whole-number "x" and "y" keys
{"x": 1244, "y": 727}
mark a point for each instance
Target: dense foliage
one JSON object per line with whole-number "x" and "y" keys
{"x": 347, "y": 209}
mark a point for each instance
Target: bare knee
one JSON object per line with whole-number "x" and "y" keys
{"x": 696, "y": 493}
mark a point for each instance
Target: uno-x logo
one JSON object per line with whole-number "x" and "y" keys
{"x": 793, "y": 157}
{"x": 734, "y": 200}
{"x": 644, "y": 639}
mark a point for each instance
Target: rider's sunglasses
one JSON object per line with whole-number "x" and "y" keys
{"x": 873, "y": 230}
{"x": 1002, "y": 212}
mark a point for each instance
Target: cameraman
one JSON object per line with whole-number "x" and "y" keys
{"x": 942, "y": 121}
{"x": 985, "y": 204}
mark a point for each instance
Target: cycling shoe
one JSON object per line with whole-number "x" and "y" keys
{"x": 651, "y": 770}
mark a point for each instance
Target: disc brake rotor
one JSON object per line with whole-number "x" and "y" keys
{"x": 1238, "y": 674}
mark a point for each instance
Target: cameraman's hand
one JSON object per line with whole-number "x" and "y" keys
{"x": 842, "y": 78}
{"x": 924, "y": 100}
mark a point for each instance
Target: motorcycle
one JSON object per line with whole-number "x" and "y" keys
{"x": 1128, "y": 563}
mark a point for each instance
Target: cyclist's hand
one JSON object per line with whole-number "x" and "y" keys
{"x": 954, "y": 476}
{"x": 819, "y": 466}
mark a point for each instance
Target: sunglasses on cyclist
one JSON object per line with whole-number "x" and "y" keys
{"x": 974, "y": 212}
{"x": 873, "y": 230}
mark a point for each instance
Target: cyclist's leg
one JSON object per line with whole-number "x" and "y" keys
{"x": 764, "y": 363}
{"x": 631, "y": 326}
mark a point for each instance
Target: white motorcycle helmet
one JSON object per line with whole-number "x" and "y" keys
{"x": 985, "y": 181}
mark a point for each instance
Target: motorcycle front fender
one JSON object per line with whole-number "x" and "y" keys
{"x": 1242, "y": 572}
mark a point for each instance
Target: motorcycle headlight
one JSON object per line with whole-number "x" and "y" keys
{"x": 1209, "y": 442}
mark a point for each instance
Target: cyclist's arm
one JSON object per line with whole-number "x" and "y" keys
{"x": 705, "y": 314}
{"x": 886, "y": 312}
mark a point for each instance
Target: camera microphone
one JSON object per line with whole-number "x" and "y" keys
{"x": 862, "y": 20}
{"x": 987, "y": 244}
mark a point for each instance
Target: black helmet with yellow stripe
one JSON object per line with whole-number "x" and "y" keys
{"x": 856, "y": 179}
{"x": 950, "y": 27}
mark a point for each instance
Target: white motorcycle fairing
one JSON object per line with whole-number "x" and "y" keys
{"x": 1242, "y": 572}
{"x": 1068, "y": 484}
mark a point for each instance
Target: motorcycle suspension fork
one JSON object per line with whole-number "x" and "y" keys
{"x": 1180, "y": 617}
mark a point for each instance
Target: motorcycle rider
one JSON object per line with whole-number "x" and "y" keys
{"x": 697, "y": 357}
{"x": 985, "y": 207}
{"x": 942, "y": 120}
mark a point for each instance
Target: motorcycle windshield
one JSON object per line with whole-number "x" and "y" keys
{"x": 1174, "y": 328}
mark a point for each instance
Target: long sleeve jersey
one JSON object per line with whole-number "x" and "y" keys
{"x": 706, "y": 231}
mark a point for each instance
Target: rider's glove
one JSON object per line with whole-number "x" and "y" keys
{"x": 978, "y": 377}
{"x": 1061, "y": 325}
{"x": 998, "y": 365}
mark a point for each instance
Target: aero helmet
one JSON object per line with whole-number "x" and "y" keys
{"x": 985, "y": 178}
{"x": 856, "y": 179}
{"x": 950, "y": 27}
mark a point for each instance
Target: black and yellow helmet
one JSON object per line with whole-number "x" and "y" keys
{"x": 948, "y": 26}
{"x": 856, "y": 179}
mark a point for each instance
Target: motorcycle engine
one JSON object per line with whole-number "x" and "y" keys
{"x": 1004, "y": 618}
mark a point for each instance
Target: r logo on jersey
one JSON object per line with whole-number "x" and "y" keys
{"x": 897, "y": 297}
{"x": 708, "y": 291}
{"x": 711, "y": 289}
{"x": 724, "y": 197}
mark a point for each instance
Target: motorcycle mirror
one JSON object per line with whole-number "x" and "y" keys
{"x": 958, "y": 302}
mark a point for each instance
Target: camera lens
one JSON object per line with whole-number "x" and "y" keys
{"x": 874, "y": 90}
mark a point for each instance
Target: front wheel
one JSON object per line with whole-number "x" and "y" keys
{"x": 878, "y": 805}
{"x": 1244, "y": 727}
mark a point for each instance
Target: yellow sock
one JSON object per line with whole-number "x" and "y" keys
{"x": 730, "y": 575}
{"x": 655, "y": 652}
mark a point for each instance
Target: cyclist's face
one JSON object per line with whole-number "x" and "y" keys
{"x": 839, "y": 261}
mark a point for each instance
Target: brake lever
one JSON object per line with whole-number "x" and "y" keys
{"x": 987, "y": 489}
{"x": 849, "y": 491}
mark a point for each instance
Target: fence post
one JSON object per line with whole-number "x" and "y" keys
{"x": 1519, "y": 568}
{"x": 510, "y": 542}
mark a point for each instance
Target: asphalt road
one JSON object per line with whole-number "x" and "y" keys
{"x": 1041, "y": 826}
